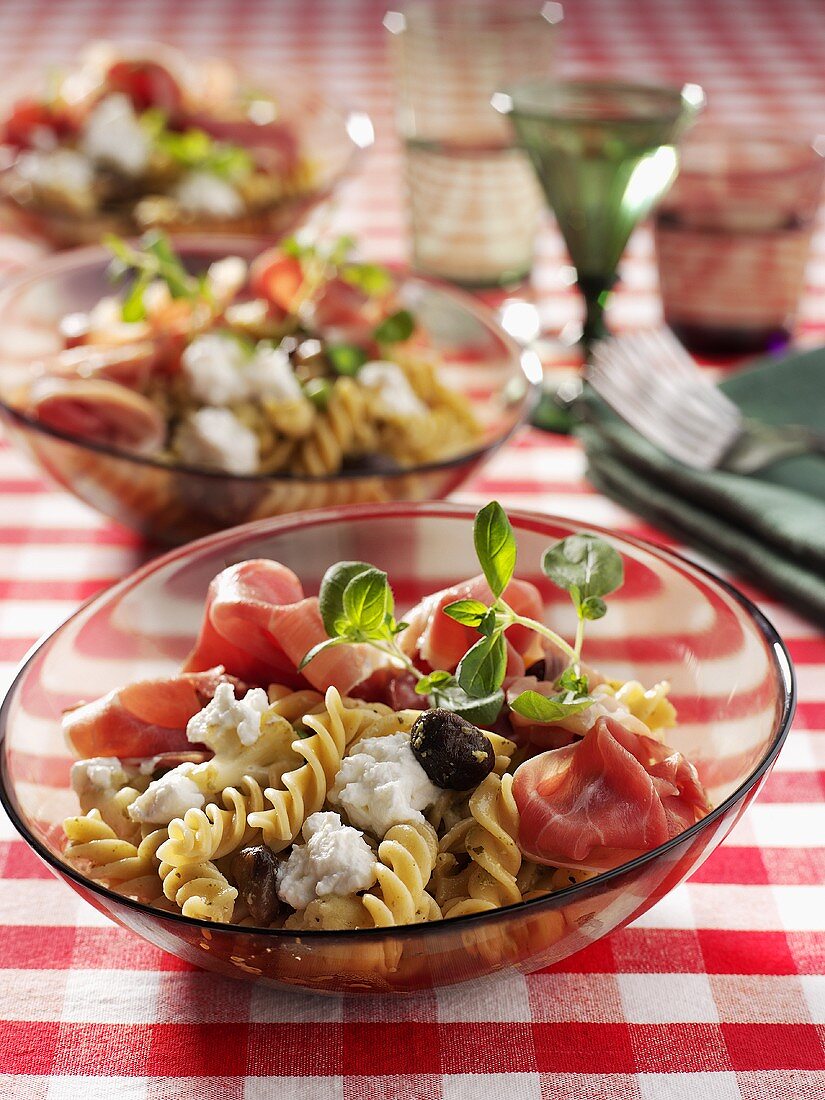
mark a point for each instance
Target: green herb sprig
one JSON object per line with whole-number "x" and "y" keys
{"x": 196, "y": 150}
{"x": 320, "y": 263}
{"x": 584, "y": 565}
{"x": 156, "y": 259}
{"x": 357, "y": 606}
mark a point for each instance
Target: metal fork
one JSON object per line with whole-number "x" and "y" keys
{"x": 652, "y": 383}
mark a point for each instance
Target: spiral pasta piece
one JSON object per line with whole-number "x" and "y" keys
{"x": 407, "y": 855}
{"x": 113, "y": 806}
{"x": 650, "y": 705}
{"x": 492, "y": 848}
{"x": 213, "y": 832}
{"x": 304, "y": 790}
{"x": 344, "y": 428}
{"x": 199, "y": 890}
{"x": 130, "y": 868}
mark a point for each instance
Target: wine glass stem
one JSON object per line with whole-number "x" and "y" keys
{"x": 595, "y": 290}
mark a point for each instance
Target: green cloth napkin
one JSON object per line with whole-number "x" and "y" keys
{"x": 769, "y": 526}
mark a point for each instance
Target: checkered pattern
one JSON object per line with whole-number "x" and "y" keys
{"x": 718, "y": 993}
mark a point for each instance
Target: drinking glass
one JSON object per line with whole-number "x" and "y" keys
{"x": 604, "y": 152}
{"x": 732, "y": 240}
{"x": 474, "y": 203}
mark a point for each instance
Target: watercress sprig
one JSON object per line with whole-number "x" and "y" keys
{"x": 357, "y": 606}
{"x": 584, "y": 565}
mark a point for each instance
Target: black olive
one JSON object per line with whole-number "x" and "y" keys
{"x": 452, "y": 751}
{"x": 255, "y": 870}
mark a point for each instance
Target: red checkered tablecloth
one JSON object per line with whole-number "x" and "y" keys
{"x": 718, "y": 993}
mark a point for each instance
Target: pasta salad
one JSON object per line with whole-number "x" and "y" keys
{"x": 303, "y": 363}
{"x": 319, "y": 764}
{"x": 150, "y": 138}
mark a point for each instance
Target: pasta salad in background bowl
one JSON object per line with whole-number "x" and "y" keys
{"x": 385, "y": 748}
{"x": 183, "y": 388}
{"x": 138, "y": 136}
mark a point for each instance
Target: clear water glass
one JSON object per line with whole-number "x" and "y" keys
{"x": 474, "y": 204}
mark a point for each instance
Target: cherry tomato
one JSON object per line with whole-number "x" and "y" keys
{"x": 147, "y": 83}
{"x": 27, "y": 117}
{"x": 277, "y": 278}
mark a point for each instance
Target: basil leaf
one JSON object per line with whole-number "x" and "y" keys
{"x": 538, "y": 708}
{"x": 318, "y": 390}
{"x": 368, "y": 600}
{"x": 331, "y": 595}
{"x": 585, "y": 566}
{"x": 466, "y": 612}
{"x": 328, "y": 643}
{"x": 438, "y": 680}
{"x": 340, "y": 250}
{"x": 132, "y": 308}
{"x": 569, "y": 681}
{"x": 481, "y": 711}
{"x": 481, "y": 670}
{"x": 346, "y": 359}
{"x": 395, "y": 328}
{"x": 495, "y": 546}
{"x": 489, "y": 623}
{"x": 119, "y": 249}
{"x": 373, "y": 279}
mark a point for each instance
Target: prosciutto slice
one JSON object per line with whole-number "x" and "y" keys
{"x": 438, "y": 641}
{"x": 142, "y": 719}
{"x": 258, "y": 625}
{"x": 599, "y": 802}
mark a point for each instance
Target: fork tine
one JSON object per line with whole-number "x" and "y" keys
{"x": 652, "y": 382}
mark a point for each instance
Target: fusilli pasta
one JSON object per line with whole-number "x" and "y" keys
{"x": 490, "y": 842}
{"x": 406, "y": 856}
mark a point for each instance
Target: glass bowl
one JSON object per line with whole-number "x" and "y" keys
{"x": 330, "y": 137}
{"x": 176, "y": 503}
{"x": 730, "y": 673}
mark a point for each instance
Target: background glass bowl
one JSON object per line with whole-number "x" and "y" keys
{"x": 731, "y": 678}
{"x": 177, "y": 503}
{"x": 330, "y": 136}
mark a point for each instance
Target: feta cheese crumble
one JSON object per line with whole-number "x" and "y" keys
{"x": 334, "y": 860}
{"x": 382, "y": 784}
{"x": 226, "y": 277}
{"x": 224, "y": 714}
{"x": 114, "y": 137}
{"x": 208, "y": 194}
{"x": 168, "y": 797}
{"x": 213, "y": 366}
{"x": 215, "y": 438}
{"x": 60, "y": 169}
{"x": 392, "y": 388}
{"x": 269, "y": 373}
{"x": 99, "y": 773}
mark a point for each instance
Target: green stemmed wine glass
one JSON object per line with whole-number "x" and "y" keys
{"x": 604, "y": 153}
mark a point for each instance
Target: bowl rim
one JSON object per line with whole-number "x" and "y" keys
{"x": 774, "y": 644}
{"x": 61, "y": 263}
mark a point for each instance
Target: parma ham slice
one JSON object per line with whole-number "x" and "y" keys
{"x": 605, "y": 799}
{"x": 258, "y": 625}
{"x": 437, "y": 641}
{"x": 237, "y": 628}
{"x": 142, "y": 719}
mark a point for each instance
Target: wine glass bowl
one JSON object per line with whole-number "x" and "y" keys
{"x": 604, "y": 153}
